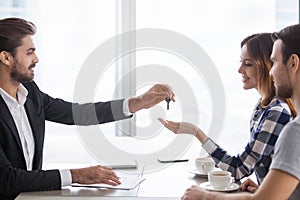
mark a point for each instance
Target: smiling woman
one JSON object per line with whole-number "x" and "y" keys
{"x": 248, "y": 70}
{"x": 268, "y": 119}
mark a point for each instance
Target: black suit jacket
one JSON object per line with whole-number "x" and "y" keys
{"x": 14, "y": 178}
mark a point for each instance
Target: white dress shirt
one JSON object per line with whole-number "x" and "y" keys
{"x": 17, "y": 110}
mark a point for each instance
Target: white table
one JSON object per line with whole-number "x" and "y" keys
{"x": 166, "y": 184}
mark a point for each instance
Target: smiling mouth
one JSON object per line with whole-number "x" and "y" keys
{"x": 32, "y": 66}
{"x": 31, "y": 69}
{"x": 245, "y": 79}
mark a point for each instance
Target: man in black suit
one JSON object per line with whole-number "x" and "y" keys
{"x": 24, "y": 109}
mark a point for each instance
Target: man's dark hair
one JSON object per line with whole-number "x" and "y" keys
{"x": 290, "y": 37}
{"x": 12, "y": 31}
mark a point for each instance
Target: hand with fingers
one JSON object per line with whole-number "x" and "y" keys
{"x": 95, "y": 174}
{"x": 156, "y": 94}
{"x": 179, "y": 127}
{"x": 184, "y": 128}
{"x": 194, "y": 193}
{"x": 249, "y": 186}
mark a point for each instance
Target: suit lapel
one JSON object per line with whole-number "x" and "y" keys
{"x": 6, "y": 116}
{"x": 30, "y": 111}
{"x": 38, "y": 139}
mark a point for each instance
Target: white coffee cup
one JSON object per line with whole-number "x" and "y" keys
{"x": 220, "y": 179}
{"x": 204, "y": 165}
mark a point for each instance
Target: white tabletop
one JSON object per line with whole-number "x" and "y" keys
{"x": 168, "y": 183}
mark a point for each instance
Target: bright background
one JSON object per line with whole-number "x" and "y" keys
{"x": 69, "y": 30}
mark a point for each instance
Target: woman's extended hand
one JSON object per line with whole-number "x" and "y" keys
{"x": 184, "y": 128}
{"x": 179, "y": 127}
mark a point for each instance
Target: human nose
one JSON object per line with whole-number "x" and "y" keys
{"x": 240, "y": 70}
{"x": 271, "y": 71}
{"x": 35, "y": 59}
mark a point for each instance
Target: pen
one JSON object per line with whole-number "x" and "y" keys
{"x": 172, "y": 161}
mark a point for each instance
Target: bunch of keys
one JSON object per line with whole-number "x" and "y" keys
{"x": 168, "y": 99}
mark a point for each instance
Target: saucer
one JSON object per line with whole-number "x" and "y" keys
{"x": 231, "y": 187}
{"x": 197, "y": 173}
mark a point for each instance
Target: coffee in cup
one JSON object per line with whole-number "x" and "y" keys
{"x": 204, "y": 164}
{"x": 220, "y": 179}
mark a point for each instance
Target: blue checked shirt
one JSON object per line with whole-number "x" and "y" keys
{"x": 265, "y": 126}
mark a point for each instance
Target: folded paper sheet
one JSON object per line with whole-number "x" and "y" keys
{"x": 128, "y": 181}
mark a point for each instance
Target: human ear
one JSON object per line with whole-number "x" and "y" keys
{"x": 4, "y": 57}
{"x": 294, "y": 62}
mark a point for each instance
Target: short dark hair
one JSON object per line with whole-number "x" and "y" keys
{"x": 12, "y": 31}
{"x": 290, "y": 37}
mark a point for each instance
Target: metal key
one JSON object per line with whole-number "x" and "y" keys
{"x": 168, "y": 99}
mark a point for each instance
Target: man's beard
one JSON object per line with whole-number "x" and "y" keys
{"x": 16, "y": 75}
{"x": 284, "y": 91}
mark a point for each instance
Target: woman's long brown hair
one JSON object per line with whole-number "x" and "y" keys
{"x": 260, "y": 47}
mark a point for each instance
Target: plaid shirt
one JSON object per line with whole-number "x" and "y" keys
{"x": 265, "y": 126}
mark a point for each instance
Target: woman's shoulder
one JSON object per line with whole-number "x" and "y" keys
{"x": 279, "y": 105}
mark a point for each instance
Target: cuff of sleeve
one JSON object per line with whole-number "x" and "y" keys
{"x": 126, "y": 110}
{"x": 65, "y": 177}
{"x": 209, "y": 146}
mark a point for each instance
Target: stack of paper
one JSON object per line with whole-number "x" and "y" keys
{"x": 128, "y": 181}
{"x": 117, "y": 164}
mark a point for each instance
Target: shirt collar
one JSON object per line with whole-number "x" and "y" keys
{"x": 10, "y": 101}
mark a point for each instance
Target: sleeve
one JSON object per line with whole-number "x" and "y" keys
{"x": 126, "y": 110}
{"x": 66, "y": 177}
{"x": 14, "y": 180}
{"x": 260, "y": 145}
{"x": 286, "y": 156}
{"x": 60, "y": 111}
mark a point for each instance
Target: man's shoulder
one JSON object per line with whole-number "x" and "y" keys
{"x": 30, "y": 86}
{"x": 287, "y": 149}
{"x": 295, "y": 123}
{"x": 292, "y": 130}
{"x": 279, "y": 105}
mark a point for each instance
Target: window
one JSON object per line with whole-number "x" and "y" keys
{"x": 12, "y": 7}
{"x": 218, "y": 27}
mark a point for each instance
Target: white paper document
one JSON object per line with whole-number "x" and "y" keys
{"x": 122, "y": 164}
{"x": 128, "y": 182}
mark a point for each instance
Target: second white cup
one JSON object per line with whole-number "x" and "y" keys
{"x": 220, "y": 179}
{"x": 205, "y": 164}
